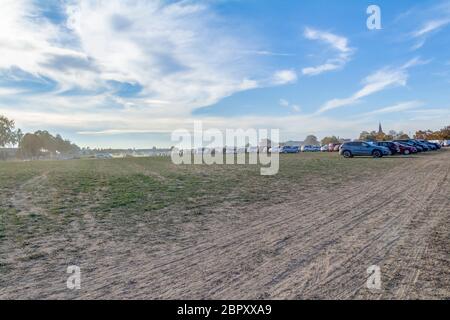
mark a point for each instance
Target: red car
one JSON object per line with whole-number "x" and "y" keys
{"x": 333, "y": 147}
{"x": 406, "y": 149}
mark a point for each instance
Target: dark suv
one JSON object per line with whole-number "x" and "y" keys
{"x": 395, "y": 149}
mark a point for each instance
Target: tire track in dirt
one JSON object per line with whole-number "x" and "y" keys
{"x": 391, "y": 222}
{"x": 229, "y": 240}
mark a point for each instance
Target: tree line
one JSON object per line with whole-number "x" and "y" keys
{"x": 443, "y": 134}
{"x": 33, "y": 145}
{"x": 381, "y": 136}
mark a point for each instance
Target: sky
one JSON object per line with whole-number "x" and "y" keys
{"x": 126, "y": 74}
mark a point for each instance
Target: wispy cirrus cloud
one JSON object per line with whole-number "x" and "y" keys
{"x": 378, "y": 81}
{"x": 428, "y": 28}
{"x": 176, "y": 56}
{"x": 399, "y": 107}
{"x": 431, "y": 20}
{"x": 337, "y": 43}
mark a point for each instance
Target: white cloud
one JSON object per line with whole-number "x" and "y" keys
{"x": 180, "y": 53}
{"x": 284, "y": 77}
{"x": 314, "y": 71}
{"x": 292, "y": 126}
{"x": 293, "y": 107}
{"x": 376, "y": 82}
{"x": 337, "y": 43}
{"x": 431, "y": 26}
{"x": 284, "y": 103}
{"x": 9, "y": 92}
{"x": 27, "y": 42}
{"x": 399, "y": 107}
{"x": 296, "y": 108}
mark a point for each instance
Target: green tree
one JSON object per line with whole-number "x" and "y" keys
{"x": 311, "y": 140}
{"x": 35, "y": 144}
{"x": 402, "y": 136}
{"x": 30, "y": 146}
{"x": 7, "y": 133}
{"x": 366, "y": 136}
{"x": 444, "y": 133}
{"x": 328, "y": 140}
{"x": 19, "y": 137}
{"x": 48, "y": 142}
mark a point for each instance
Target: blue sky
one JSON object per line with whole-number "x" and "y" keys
{"x": 128, "y": 73}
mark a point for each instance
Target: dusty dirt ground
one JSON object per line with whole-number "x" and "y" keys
{"x": 313, "y": 246}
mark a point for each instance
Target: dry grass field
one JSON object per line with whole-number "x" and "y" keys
{"x": 147, "y": 229}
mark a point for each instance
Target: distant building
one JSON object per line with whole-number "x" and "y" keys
{"x": 380, "y": 129}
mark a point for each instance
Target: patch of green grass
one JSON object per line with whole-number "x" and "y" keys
{"x": 134, "y": 186}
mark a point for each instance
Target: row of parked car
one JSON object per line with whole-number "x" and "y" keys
{"x": 307, "y": 148}
{"x": 378, "y": 149}
{"x": 347, "y": 149}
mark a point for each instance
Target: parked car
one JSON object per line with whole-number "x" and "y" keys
{"x": 424, "y": 146}
{"x": 337, "y": 147}
{"x": 412, "y": 144}
{"x": 406, "y": 149}
{"x": 324, "y": 148}
{"x": 433, "y": 146}
{"x": 390, "y": 145}
{"x": 290, "y": 149}
{"x": 275, "y": 150}
{"x": 438, "y": 145}
{"x": 357, "y": 148}
{"x": 310, "y": 149}
{"x": 331, "y": 147}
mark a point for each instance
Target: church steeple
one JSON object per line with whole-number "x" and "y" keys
{"x": 380, "y": 129}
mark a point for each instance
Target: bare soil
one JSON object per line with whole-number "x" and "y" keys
{"x": 314, "y": 245}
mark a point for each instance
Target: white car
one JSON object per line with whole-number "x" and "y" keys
{"x": 324, "y": 148}
{"x": 252, "y": 149}
{"x": 309, "y": 149}
{"x": 275, "y": 150}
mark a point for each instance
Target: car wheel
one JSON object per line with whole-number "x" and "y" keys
{"x": 406, "y": 152}
{"x": 377, "y": 154}
{"x": 347, "y": 154}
